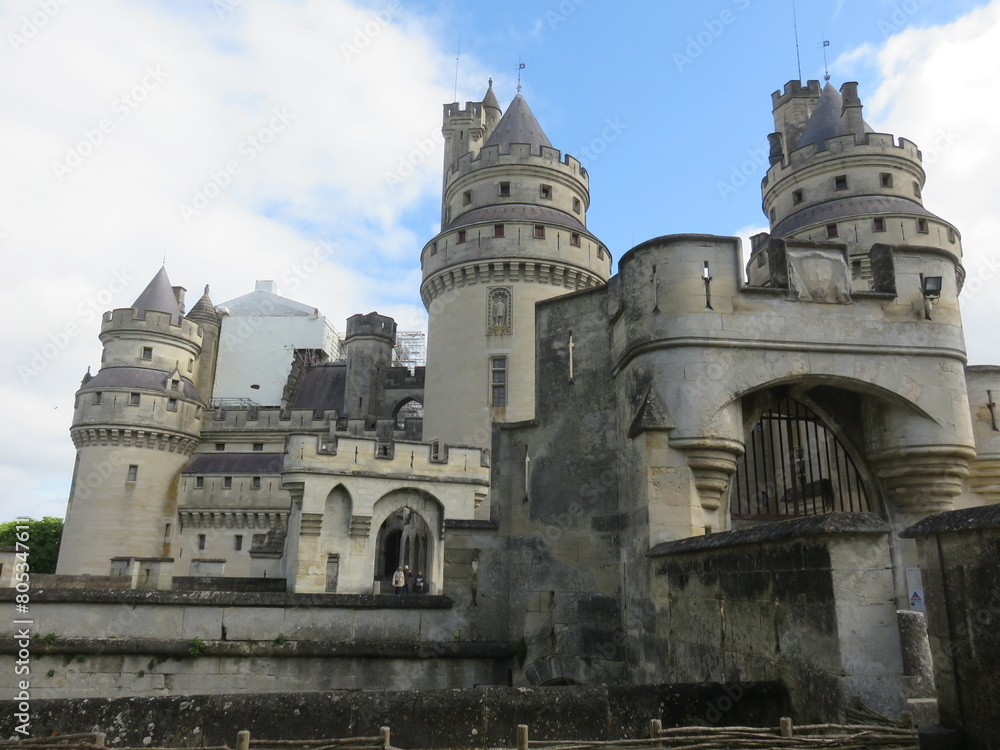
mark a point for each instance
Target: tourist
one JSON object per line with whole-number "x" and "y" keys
{"x": 398, "y": 581}
{"x": 419, "y": 583}
{"x": 407, "y": 579}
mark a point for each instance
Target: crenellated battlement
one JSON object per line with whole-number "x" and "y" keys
{"x": 361, "y": 455}
{"x": 520, "y": 155}
{"x": 877, "y": 145}
{"x": 372, "y": 324}
{"x": 795, "y": 89}
{"x": 267, "y": 419}
{"x": 151, "y": 321}
{"x": 455, "y": 110}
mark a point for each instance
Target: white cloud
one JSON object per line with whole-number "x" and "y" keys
{"x": 301, "y": 111}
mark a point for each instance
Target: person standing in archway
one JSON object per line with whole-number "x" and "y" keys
{"x": 418, "y": 583}
{"x": 407, "y": 579}
{"x": 399, "y": 581}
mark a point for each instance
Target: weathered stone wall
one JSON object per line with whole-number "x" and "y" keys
{"x": 958, "y": 553}
{"x": 119, "y": 643}
{"x": 425, "y": 719}
{"x": 808, "y": 602}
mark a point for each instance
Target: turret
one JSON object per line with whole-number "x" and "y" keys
{"x": 134, "y": 426}
{"x": 204, "y": 314}
{"x": 514, "y": 231}
{"x": 833, "y": 179}
{"x": 369, "y": 343}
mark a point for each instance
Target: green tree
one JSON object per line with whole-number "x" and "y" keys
{"x": 43, "y": 541}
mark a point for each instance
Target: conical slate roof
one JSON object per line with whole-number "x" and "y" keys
{"x": 490, "y": 100}
{"x": 159, "y": 295}
{"x": 518, "y": 125}
{"x": 826, "y": 120}
{"x": 204, "y": 311}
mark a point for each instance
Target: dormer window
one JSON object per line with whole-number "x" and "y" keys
{"x": 175, "y": 385}
{"x": 840, "y": 182}
{"x": 505, "y": 188}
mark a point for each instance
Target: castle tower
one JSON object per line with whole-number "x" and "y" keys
{"x": 513, "y": 232}
{"x": 134, "y": 426}
{"x": 369, "y": 343}
{"x": 204, "y": 314}
{"x": 832, "y": 179}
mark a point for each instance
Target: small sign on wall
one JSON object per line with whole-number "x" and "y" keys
{"x": 915, "y": 589}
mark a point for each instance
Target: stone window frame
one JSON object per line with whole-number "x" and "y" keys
{"x": 199, "y": 483}
{"x": 467, "y": 198}
{"x": 797, "y": 197}
{"x": 238, "y": 542}
{"x": 134, "y": 399}
{"x": 227, "y": 483}
{"x": 171, "y": 404}
{"x": 499, "y": 378}
{"x": 461, "y": 236}
{"x": 258, "y": 447}
{"x": 545, "y": 192}
{"x": 574, "y": 239}
{"x": 498, "y": 230}
{"x": 832, "y": 231}
{"x": 255, "y": 483}
{"x": 577, "y": 205}
{"x": 538, "y": 232}
{"x": 923, "y": 227}
{"x": 146, "y": 353}
{"x": 885, "y": 179}
{"x": 133, "y": 473}
{"x": 504, "y": 189}
{"x": 97, "y": 398}
{"x": 878, "y": 224}
{"x": 202, "y": 538}
{"x": 840, "y": 182}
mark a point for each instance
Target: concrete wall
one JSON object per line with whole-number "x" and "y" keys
{"x": 958, "y": 561}
{"x": 808, "y": 602}
{"x": 474, "y": 717}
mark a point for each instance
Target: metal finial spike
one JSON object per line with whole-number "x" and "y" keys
{"x": 826, "y": 68}
{"x": 520, "y": 67}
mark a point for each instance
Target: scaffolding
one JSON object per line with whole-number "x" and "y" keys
{"x": 410, "y": 349}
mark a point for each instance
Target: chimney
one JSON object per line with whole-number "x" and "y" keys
{"x": 851, "y": 113}
{"x": 179, "y": 296}
{"x": 266, "y": 285}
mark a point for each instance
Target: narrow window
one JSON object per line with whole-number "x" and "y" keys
{"x": 885, "y": 179}
{"x": 600, "y": 253}
{"x": 199, "y": 483}
{"x": 147, "y": 352}
{"x": 504, "y": 188}
{"x": 258, "y": 446}
{"x": 539, "y": 232}
{"x": 498, "y": 230}
{"x": 576, "y": 205}
{"x": 916, "y": 188}
{"x": 922, "y": 226}
{"x": 466, "y": 197}
{"x": 461, "y": 236}
{"x": 831, "y": 230}
{"x": 227, "y": 483}
{"x": 166, "y": 532}
{"x": 97, "y": 398}
{"x": 574, "y": 239}
{"x": 796, "y": 196}
{"x": 546, "y": 192}
{"x": 201, "y": 541}
{"x": 878, "y": 224}
{"x": 498, "y": 380}
{"x": 171, "y": 404}
{"x": 133, "y": 472}
{"x": 220, "y": 446}
{"x": 255, "y": 483}
{"x": 133, "y": 399}
{"x": 434, "y": 248}
{"x": 238, "y": 542}
{"x": 951, "y": 235}
{"x": 190, "y": 365}
{"x": 773, "y": 216}
{"x": 840, "y": 182}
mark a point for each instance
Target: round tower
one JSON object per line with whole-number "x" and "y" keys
{"x": 514, "y": 232}
{"x": 134, "y": 426}
{"x": 832, "y": 179}
{"x": 204, "y": 314}
{"x": 369, "y": 343}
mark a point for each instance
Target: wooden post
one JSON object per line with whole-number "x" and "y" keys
{"x": 243, "y": 740}
{"x": 386, "y": 741}
{"x": 522, "y": 737}
{"x": 906, "y": 719}
{"x": 655, "y": 725}
{"x": 99, "y": 738}
{"x": 787, "y": 730}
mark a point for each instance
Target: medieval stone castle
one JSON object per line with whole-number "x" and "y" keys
{"x": 696, "y": 468}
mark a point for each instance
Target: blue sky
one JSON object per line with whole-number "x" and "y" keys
{"x": 298, "y": 140}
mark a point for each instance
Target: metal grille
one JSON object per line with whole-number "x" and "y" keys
{"x": 794, "y": 466}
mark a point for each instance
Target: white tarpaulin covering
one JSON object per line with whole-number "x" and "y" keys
{"x": 819, "y": 275}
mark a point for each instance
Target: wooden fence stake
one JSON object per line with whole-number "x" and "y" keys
{"x": 655, "y": 725}
{"x": 787, "y": 730}
{"x": 99, "y": 738}
{"x": 386, "y": 740}
{"x": 243, "y": 740}
{"x": 522, "y": 737}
